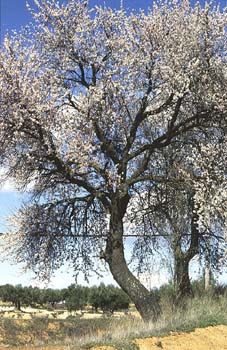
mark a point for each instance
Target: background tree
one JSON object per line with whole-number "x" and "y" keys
{"x": 14, "y": 294}
{"x": 168, "y": 219}
{"x": 5, "y": 292}
{"x": 108, "y": 298}
{"x": 88, "y": 104}
{"x": 76, "y": 297}
{"x": 36, "y": 296}
{"x": 52, "y": 296}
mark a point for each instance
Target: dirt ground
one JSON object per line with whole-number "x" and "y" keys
{"x": 210, "y": 338}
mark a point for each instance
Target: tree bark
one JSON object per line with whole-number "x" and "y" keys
{"x": 182, "y": 284}
{"x": 207, "y": 269}
{"x": 207, "y": 274}
{"x": 145, "y": 301}
{"x": 18, "y": 305}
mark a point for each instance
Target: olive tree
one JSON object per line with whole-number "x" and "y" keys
{"x": 90, "y": 99}
{"x": 108, "y": 298}
{"x": 15, "y": 294}
{"x": 76, "y": 297}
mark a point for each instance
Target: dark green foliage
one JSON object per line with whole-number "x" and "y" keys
{"x": 29, "y": 296}
{"x": 76, "y": 297}
{"x": 14, "y": 294}
{"x": 108, "y": 298}
{"x": 51, "y": 296}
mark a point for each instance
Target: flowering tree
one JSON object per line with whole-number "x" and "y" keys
{"x": 91, "y": 103}
{"x": 171, "y": 216}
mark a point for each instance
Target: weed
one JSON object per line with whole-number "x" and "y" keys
{"x": 159, "y": 344}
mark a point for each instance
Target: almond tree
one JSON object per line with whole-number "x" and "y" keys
{"x": 171, "y": 214}
{"x": 90, "y": 99}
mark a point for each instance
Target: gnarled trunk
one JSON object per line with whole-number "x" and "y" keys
{"x": 144, "y": 300}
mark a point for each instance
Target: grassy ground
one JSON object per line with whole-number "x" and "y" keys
{"x": 200, "y": 312}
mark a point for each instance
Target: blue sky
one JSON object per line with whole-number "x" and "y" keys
{"x": 14, "y": 15}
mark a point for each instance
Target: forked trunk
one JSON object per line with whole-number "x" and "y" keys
{"x": 145, "y": 301}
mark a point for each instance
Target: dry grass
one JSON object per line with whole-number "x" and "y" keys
{"x": 200, "y": 312}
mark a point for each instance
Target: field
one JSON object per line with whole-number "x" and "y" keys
{"x": 203, "y": 326}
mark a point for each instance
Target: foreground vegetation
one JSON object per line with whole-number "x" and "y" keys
{"x": 205, "y": 309}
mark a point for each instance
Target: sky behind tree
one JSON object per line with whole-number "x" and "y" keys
{"x": 14, "y": 13}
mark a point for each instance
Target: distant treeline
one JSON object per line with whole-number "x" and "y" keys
{"x": 105, "y": 298}
{"x": 76, "y": 297}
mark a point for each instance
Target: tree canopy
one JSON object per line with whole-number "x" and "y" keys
{"x": 93, "y": 105}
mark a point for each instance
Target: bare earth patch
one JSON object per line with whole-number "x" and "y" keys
{"x": 210, "y": 338}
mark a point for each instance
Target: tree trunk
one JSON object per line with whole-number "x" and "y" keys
{"x": 207, "y": 274}
{"x": 207, "y": 270}
{"x": 145, "y": 301}
{"x": 18, "y": 305}
{"x": 182, "y": 284}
